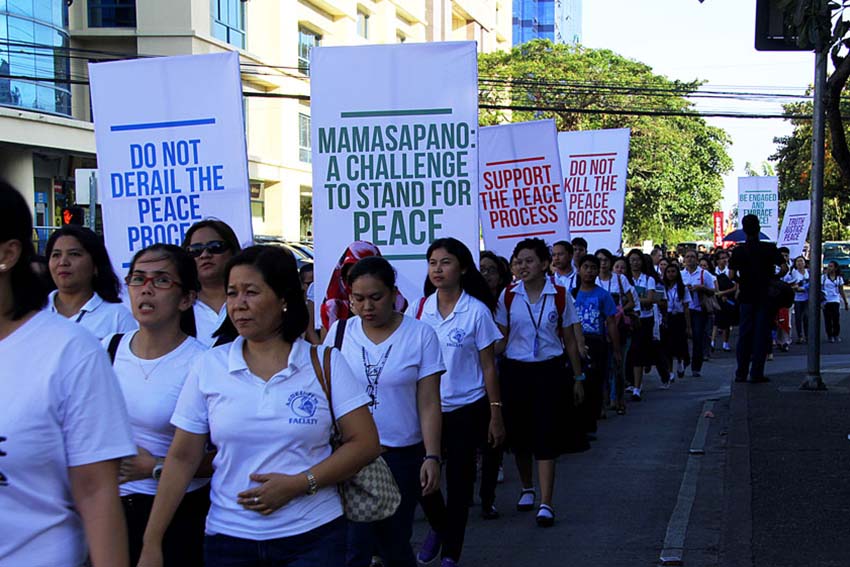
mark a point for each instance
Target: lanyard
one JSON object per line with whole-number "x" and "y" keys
{"x": 536, "y": 343}
{"x": 373, "y": 374}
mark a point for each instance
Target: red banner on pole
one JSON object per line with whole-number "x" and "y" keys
{"x": 718, "y": 228}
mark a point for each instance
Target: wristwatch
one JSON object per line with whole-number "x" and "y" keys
{"x": 312, "y": 485}
{"x": 157, "y": 469}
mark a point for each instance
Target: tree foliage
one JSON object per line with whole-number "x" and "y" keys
{"x": 675, "y": 162}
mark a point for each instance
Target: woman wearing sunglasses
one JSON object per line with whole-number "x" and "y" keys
{"x": 211, "y": 243}
{"x": 152, "y": 364}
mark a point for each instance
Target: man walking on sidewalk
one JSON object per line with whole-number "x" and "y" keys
{"x": 753, "y": 265}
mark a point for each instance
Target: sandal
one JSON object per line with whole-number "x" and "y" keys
{"x": 526, "y": 504}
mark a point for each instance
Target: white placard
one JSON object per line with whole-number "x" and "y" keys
{"x": 595, "y": 165}
{"x": 795, "y": 227}
{"x": 395, "y": 158}
{"x": 759, "y": 195}
{"x": 520, "y": 187}
{"x": 171, "y": 149}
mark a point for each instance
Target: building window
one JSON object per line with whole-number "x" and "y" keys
{"x": 33, "y": 47}
{"x": 112, "y": 13}
{"x": 228, "y": 21}
{"x": 307, "y": 40}
{"x": 258, "y": 201}
{"x": 304, "y": 143}
{"x": 362, "y": 24}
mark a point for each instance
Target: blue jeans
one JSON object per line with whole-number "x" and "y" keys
{"x": 390, "y": 538}
{"x": 753, "y": 339}
{"x": 319, "y": 547}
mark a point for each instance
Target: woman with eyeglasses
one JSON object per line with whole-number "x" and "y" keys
{"x": 152, "y": 364}
{"x": 63, "y": 424}
{"x": 211, "y": 243}
{"x": 87, "y": 289}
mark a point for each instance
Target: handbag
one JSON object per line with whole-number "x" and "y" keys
{"x": 708, "y": 303}
{"x": 627, "y": 323}
{"x": 780, "y": 294}
{"x": 371, "y": 494}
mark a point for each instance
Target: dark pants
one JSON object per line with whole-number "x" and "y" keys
{"x": 674, "y": 339}
{"x": 831, "y": 319}
{"x": 463, "y": 431}
{"x": 801, "y": 318}
{"x": 699, "y": 320}
{"x": 595, "y": 375}
{"x": 491, "y": 460}
{"x": 183, "y": 543}
{"x": 319, "y": 547}
{"x": 390, "y": 538}
{"x": 753, "y": 339}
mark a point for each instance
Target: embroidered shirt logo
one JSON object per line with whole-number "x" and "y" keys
{"x": 303, "y": 405}
{"x": 553, "y": 316}
{"x": 456, "y": 337}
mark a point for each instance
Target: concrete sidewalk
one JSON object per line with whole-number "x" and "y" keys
{"x": 787, "y": 477}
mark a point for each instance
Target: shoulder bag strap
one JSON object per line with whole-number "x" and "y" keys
{"x": 112, "y": 349}
{"x": 324, "y": 378}
{"x": 341, "y": 324}
{"x": 420, "y": 308}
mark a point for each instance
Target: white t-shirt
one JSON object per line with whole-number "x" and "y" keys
{"x": 831, "y": 288}
{"x": 62, "y": 408}
{"x": 568, "y": 281}
{"x": 614, "y": 285}
{"x": 467, "y": 330}
{"x": 99, "y": 317}
{"x": 207, "y": 322}
{"x": 643, "y": 285}
{"x": 698, "y": 277}
{"x": 280, "y": 426}
{"x": 151, "y": 389}
{"x": 795, "y": 278}
{"x": 525, "y": 333}
{"x": 389, "y": 372}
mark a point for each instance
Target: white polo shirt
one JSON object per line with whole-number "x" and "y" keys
{"x": 568, "y": 281}
{"x": 831, "y": 288}
{"x": 151, "y": 389}
{"x": 207, "y": 322}
{"x": 99, "y": 317}
{"x": 643, "y": 285}
{"x": 617, "y": 285}
{"x": 280, "y": 426}
{"x": 795, "y": 278}
{"x": 467, "y": 330}
{"x": 62, "y": 408}
{"x": 676, "y": 302}
{"x": 389, "y": 373}
{"x": 521, "y": 334}
{"x": 698, "y": 277}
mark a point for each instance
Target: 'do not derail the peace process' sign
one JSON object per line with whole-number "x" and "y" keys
{"x": 170, "y": 148}
{"x": 395, "y": 158}
{"x": 520, "y": 188}
{"x": 595, "y": 165}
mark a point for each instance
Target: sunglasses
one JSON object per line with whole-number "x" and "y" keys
{"x": 213, "y": 247}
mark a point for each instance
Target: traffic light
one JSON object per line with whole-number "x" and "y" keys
{"x": 73, "y": 215}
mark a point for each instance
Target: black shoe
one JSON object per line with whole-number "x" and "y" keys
{"x": 740, "y": 379}
{"x": 489, "y": 512}
{"x": 680, "y": 374}
{"x": 759, "y": 379}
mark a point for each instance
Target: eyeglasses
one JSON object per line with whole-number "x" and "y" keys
{"x": 488, "y": 271}
{"x": 160, "y": 281}
{"x": 213, "y": 247}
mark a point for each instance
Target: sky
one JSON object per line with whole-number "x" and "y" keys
{"x": 713, "y": 42}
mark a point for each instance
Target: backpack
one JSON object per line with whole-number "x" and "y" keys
{"x": 560, "y": 304}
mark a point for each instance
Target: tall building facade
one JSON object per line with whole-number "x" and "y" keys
{"x": 46, "y": 131}
{"x": 556, "y": 20}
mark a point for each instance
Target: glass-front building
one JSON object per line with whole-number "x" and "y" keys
{"x": 556, "y": 20}
{"x": 34, "y": 57}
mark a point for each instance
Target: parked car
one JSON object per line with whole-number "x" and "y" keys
{"x": 838, "y": 252}
{"x": 301, "y": 256}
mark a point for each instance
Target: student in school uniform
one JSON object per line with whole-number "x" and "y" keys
{"x": 700, "y": 283}
{"x": 459, "y": 307}
{"x": 642, "y": 352}
{"x": 677, "y": 324}
{"x": 397, "y": 362}
{"x": 152, "y": 365}
{"x": 562, "y": 265}
{"x": 87, "y": 289}
{"x": 274, "y": 497}
{"x": 63, "y": 426}
{"x": 832, "y": 286}
{"x": 621, "y": 290}
{"x": 212, "y": 243}
{"x": 539, "y": 392}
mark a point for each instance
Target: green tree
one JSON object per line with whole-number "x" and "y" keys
{"x": 675, "y": 162}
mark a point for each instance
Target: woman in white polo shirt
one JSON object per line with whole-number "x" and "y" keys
{"x": 273, "y": 493}
{"x": 87, "y": 289}
{"x": 211, "y": 243}
{"x": 397, "y": 362}
{"x": 700, "y": 283}
{"x": 63, "y": 426}
{"x": 458, "y": 305}
{"x": 538, "y": 400}
{"x": 152, "y": 364}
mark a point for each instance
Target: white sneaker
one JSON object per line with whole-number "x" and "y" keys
{"x": 665, "y": 385}
{"x": 672, "y": 377}
{"x": 630, "y": 389}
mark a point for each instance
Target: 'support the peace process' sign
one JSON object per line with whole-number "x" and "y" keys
{"x": 595, "y": 165}
{"x": 170, "y": 149}
{"x": 795, "y": 227}
{"x": 759, "y": 196}
{"x": 520, "y": 188}
{"x": 395, "y": 158}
